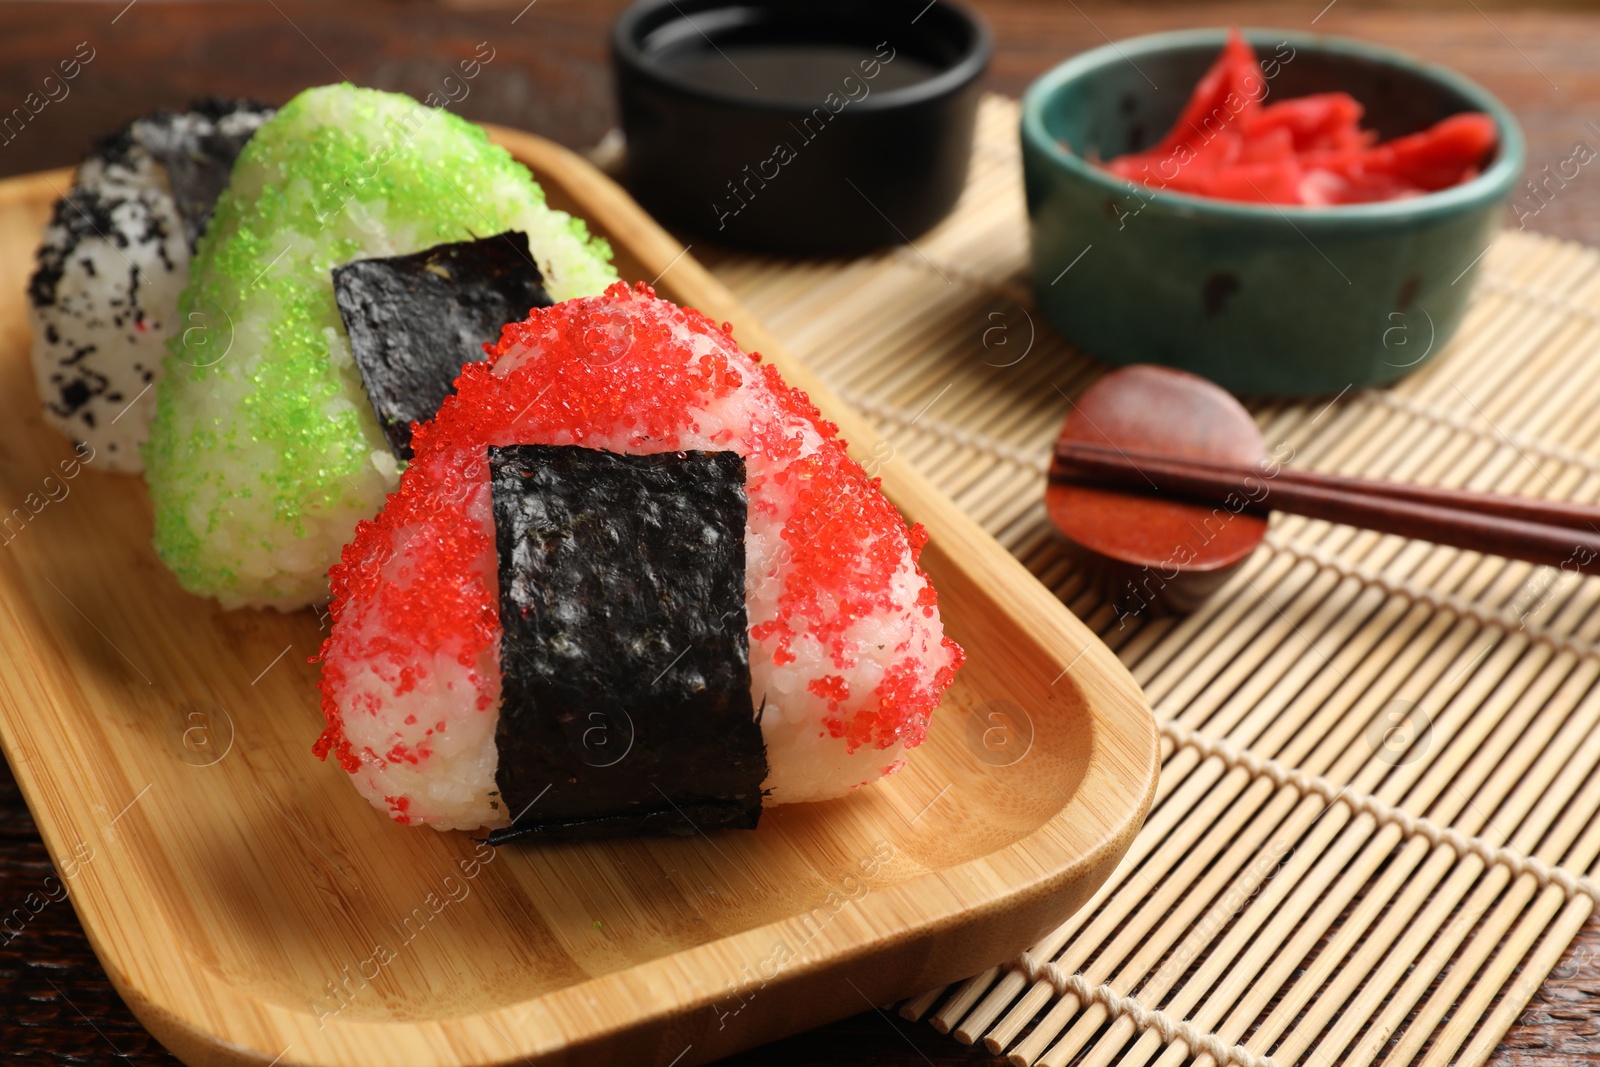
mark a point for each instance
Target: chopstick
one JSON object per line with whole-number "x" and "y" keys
{"x": 1529, "y": 509}
{"x": 1555, "y": 533}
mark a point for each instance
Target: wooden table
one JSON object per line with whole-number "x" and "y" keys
{"x": 549, "y": 75}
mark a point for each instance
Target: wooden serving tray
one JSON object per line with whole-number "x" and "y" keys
{"x": 252, "y": 909}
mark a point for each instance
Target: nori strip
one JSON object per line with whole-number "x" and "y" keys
{"x": 414, "y": 320}
{"x": 199, "y": 165}
{"x": 625, "y": 696}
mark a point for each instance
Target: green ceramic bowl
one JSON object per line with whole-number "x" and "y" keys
{"x": 1261, "y": 299}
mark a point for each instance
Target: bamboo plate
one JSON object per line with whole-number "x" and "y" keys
{"x": 252, "y": 909}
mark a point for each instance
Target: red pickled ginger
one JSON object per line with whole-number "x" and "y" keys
{"x": 1310, "y": 150}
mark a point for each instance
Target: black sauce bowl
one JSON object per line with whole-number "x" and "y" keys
{"x": 865, "y": 155}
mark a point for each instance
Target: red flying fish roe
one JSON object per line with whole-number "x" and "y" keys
{"x": 415, "y": 593}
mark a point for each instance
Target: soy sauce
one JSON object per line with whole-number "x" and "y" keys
{"x": 801, "y": 72}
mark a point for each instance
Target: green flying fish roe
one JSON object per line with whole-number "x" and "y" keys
{"x": 264, "y": 452}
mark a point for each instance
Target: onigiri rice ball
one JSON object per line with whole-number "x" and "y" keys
{"x": 264, "y": 451}
{"x": 115, "y": 256}
{"x": 847, "y": 653}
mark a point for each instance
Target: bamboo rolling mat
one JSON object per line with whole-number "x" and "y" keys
{"x": 1376, "y": 817}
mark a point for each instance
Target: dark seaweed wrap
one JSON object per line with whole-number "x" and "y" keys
{"x": 199, "y": 160}
{"x": 414, "y": 320}
{"x": 625, "y": 699}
